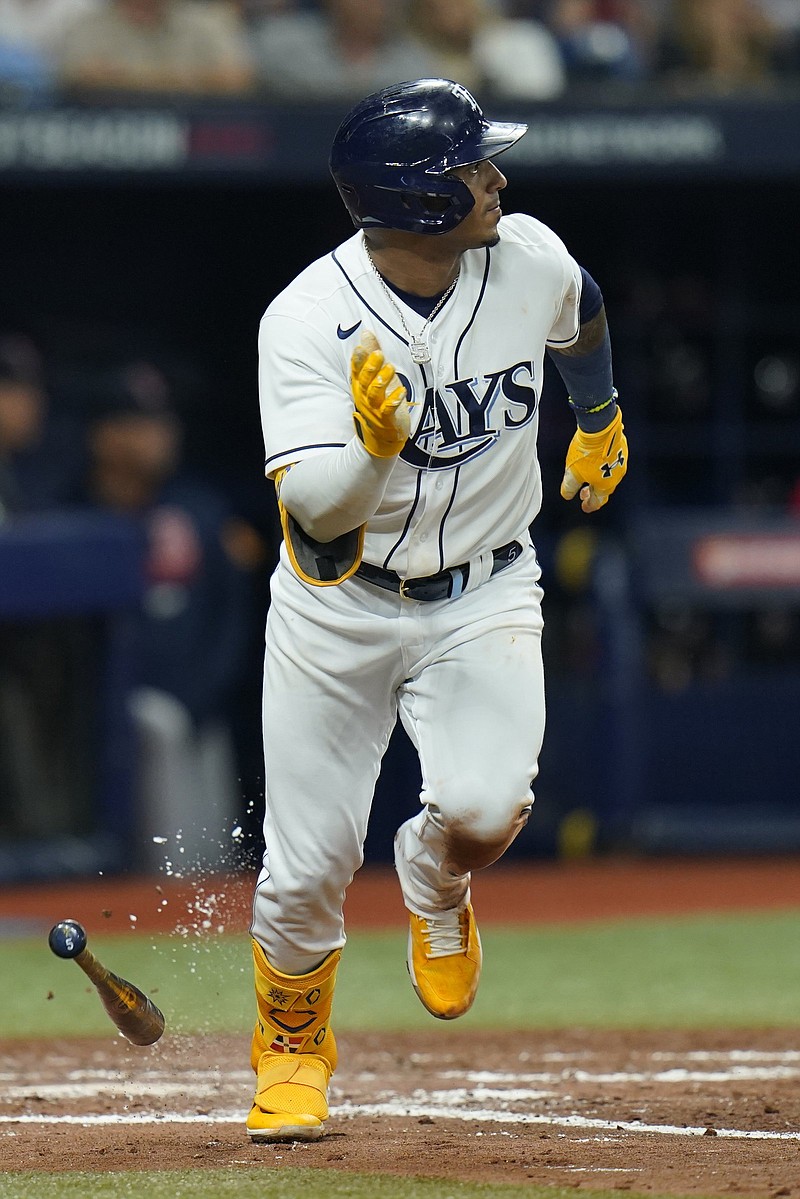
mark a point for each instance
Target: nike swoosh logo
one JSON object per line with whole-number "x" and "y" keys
{"x": 343, "y": 334}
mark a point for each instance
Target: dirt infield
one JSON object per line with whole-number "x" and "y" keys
{"x": 672, "y": 1113}
{"x": 664, "y": 1113}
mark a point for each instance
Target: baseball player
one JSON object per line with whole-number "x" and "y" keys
{"x": 400, "y": 379}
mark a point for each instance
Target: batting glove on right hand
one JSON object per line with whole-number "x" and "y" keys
{"x": 382, "y": 413}
{"x": 596, "y": 462}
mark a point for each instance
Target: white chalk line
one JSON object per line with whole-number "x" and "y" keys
{"x": 108, "y": 1085}
{"x": 734, "y": 1074}
{"x": 728, "y": 1055}
{"x": 568, "y": 1121}
{"x": 87, "y": 1084}
{"x": 412, "y": 1111}
{"x": 604, "y": 1169}
{"x": 450, "y": 1104}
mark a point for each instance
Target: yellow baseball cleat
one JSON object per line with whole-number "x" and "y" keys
{"x": 444, "y": 961}
{"x": 291, "y": 1101}
{"x": 293, "y": 1050}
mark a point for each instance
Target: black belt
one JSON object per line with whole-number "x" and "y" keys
{"x": 446, "y": 585}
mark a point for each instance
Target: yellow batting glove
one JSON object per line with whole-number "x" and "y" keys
{"x": 382, "y": 413}
{"x": 596, "y": 462}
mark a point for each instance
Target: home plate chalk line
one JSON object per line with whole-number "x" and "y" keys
{"x": 459, "y": 1102}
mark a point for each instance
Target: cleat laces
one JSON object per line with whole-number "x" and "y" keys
{"x": 444, "y": 934}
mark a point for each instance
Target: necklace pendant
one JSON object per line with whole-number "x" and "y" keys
{"x": 419, "y": 351}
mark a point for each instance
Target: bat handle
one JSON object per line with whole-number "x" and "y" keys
{"x": 133, "y": 1012}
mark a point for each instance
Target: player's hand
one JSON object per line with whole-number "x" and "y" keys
{"x": 596, "y": 462}
{"x": 382, "y": 413}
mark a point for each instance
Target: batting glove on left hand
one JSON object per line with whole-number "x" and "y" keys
{"x": 596, "y": 462}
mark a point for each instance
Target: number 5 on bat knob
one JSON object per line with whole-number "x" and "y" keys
{"x": 133, "y": 1012}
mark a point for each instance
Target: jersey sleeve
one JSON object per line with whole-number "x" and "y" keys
{"x": 566, "y": 327}
{"x": 304, "y": 392}
{"x": 558, "y": 275}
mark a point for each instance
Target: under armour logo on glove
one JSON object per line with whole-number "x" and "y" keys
{"x": 607, "y": 467}
{"x": 596, "y": 462}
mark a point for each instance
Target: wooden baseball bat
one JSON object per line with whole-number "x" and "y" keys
{"x": 133, "y": 1012}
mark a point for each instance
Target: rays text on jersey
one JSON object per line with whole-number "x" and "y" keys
{"x": 466, "y": 417}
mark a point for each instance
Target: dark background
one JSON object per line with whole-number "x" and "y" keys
{"x": 700, "y": 274}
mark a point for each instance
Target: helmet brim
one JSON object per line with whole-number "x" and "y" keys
{"x": 496, "y": 136}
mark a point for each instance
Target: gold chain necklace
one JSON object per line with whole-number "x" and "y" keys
{"x": 418, "y": 346}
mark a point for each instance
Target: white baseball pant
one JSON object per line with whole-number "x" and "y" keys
{"x": 466, "y": 678}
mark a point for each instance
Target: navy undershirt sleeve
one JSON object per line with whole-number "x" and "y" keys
{"x": 588, "y": 377}
{"x": 591, "y": 298}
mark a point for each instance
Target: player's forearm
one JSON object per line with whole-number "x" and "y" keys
{"x": 586, "y": 369}
{"x": 332, "y": 493}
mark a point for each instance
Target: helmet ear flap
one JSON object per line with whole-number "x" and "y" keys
{"x": 435, "y": 203}
{"x": 412, "y": 201}
{"x": 440, "y": 210}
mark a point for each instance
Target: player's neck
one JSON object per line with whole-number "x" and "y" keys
{"x": 420, "y": 269}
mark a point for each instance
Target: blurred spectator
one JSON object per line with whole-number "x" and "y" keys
{"x": 39, "y": 452}
{"x": 772, "y": 638}
{"x": 30, "y": 37}
{"x": 776, "y": 380}
{"x": 347, "y": 48}
{"x": 784, "y": 17}
{"x": 719, "y": 44}
{"x": 684, "y": 647}
{"x": 604, "y": 39}
{"x": 794, "y": 499}
{"x": 254, "y": 10}
{"x": 45, "y": 781}
{"x": 158, "y": 46}
{"x": 192, "y": 627}
{"x": 22, "y": 404}
{"x": 471, "y": 41}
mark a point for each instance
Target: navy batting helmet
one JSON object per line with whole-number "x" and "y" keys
{"x": 391, "y": 155}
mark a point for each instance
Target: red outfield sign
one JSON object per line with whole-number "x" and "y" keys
{"x": 730, "y": 560}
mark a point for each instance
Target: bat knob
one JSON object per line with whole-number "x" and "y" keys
{"x": 67, "y": 939}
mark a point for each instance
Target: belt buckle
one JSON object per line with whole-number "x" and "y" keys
{"x": 403, "y": 594}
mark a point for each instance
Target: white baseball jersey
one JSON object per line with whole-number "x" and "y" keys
{"x": 468, "y": 479}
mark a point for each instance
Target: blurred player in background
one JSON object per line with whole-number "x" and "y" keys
{"x": 45, "y": 684}
{"x": 190, "y": 631}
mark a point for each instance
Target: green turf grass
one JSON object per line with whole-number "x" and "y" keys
{"x": 274, "y": 1184}
{"x": 692, "y": 972}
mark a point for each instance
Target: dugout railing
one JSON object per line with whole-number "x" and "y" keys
{"x": 69, "y": 583}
